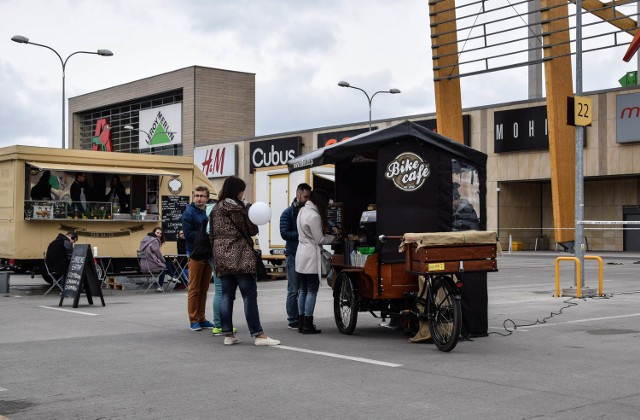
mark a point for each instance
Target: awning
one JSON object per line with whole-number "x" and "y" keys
{"x": 124, "y": 170}
{"x": 373, "y": 140}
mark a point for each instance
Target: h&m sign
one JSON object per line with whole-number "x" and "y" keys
{"x": 521, "y": 129}
{"x": 273, "y": 152}
{"x": 216, "y": 161}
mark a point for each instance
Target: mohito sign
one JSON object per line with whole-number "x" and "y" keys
{"x": 216, "y": 161}
{"x": 408, "y": 171}
{"x": 274, "y": 152}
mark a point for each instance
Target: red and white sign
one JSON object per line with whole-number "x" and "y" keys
{"x": 216, "y": 161}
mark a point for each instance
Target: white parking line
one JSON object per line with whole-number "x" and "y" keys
{"x": 339, "y": 356}
{"x": 3, "y": 389}
{"x": 68, "y": 310}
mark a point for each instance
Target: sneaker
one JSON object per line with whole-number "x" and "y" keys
{"x": 293, "y": 325}
{"x": 266, "y": 341}
{"x": 160, "y": 289}
{"x": 218, "y": 331}
{"x": 175, "y": 280}
{"x": 206, "y": 324}
{"x": 230, "y": 341}
{"x": 195, "y": 326}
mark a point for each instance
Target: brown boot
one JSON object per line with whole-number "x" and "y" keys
{"x": 308, "y": 327}
{"x": 300, "y": 322}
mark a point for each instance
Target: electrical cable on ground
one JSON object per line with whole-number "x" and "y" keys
{"x": 544, "y": 320}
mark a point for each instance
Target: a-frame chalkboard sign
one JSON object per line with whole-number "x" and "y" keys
{"x": 82, "y": 277}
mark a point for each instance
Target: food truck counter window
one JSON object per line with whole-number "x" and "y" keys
{"x": 55, "y": 194}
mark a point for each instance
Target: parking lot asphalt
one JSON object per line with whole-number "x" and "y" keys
{"x": 545, "y": 357}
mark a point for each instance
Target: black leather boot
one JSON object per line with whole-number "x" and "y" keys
{"x": 308, "y": 327}
{"x": 300, "y": 322}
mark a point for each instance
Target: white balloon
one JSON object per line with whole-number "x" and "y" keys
{"x": 260, "y": 213}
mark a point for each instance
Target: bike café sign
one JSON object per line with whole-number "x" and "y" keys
{"x": 216, "y": 161}
{"x": 273, "y": 152}
{"x": 408, "y": 171}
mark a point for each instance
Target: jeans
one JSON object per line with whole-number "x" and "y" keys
{"x": 199, "y": 279}
{"x": 217, "y": 297}
{"x": 249, "y": 290}
{"x": 292, "y": 289}
{"x": 309, "y": 285}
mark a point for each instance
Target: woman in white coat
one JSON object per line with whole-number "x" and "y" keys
{"x": 312, "y": 225}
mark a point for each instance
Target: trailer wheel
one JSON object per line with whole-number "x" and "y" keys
{"x": 345, "y": 304}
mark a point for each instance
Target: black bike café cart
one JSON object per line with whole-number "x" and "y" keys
{"x": 390, "y": 184}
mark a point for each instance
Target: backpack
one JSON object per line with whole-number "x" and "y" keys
{"x": 202, "y": 245}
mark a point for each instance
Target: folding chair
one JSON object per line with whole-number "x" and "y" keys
{"x": 151, "y": 277}
{"x": 56, "y": 278}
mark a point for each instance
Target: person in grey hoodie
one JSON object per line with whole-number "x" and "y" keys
{"x": 153, "y": 261}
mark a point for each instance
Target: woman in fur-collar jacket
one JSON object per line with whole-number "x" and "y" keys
{"x": 235, "y": 260}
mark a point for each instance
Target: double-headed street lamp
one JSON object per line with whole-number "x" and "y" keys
{"x": 24, "y": 40}
{"x": 369, "y": 98}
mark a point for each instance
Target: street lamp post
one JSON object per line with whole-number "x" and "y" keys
{"x": 24, "y": 40}
{"x": 369, "y": 98}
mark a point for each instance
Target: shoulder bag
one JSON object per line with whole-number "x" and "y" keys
{"x": 261, "y": 270}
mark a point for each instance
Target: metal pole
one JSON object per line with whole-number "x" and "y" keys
{"x": 579, "y": 200}
{"x": 63, "y": 108}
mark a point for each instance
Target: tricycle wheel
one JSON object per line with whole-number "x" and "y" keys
{"x": 345, "y": 304}
{"x": 445, "y": 315}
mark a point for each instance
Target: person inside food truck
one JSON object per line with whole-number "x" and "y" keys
{"x": 464, "y": 215}
{"x": 43, "y": 189}
{"x": 118, "y": 196}
{"x": 59, "y": 254}
{"x": 79, "y": 192}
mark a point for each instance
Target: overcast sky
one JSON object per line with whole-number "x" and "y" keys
{"x": 298, "y": 49}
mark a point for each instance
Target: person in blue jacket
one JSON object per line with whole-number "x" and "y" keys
{"x": 289, "y": 232}
{"x": 199, "y": 270}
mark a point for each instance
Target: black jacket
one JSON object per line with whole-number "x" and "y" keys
{"x": 59, "y": 254}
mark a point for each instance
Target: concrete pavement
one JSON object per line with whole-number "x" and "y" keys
{"x": 135, "y": 357}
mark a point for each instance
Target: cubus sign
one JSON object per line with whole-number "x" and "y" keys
{"x": 216, "y": 161}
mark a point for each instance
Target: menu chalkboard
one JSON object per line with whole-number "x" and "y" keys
{"x": 172, "y": 208}
{"x": 335, "y": 216}
{"x": 82, "y": 277}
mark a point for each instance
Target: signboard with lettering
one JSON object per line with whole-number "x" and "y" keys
{"x": 466, "y": 127}
{"x": 161, "y": 126}
{"x": 521, "y": 129}
{"x": 82, "y": 277}
{"x": 216, "y": 161}
{"x": 628, "y": 118}
{"x": 172, "y": 208}
{"x": 273, "y": 152}
{"x": 327, "y": 139}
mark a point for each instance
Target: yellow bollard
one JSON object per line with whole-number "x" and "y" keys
{"x": 577, "y": 265}
{"x": 600, "y": 272}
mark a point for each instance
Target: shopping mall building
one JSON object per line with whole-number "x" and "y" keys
{"x": 210, "y": 114}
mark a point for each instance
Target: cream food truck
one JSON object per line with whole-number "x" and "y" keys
{"x": 153, "y": 191}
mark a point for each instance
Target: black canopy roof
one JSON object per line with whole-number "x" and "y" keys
{"x": 375, "y": 139}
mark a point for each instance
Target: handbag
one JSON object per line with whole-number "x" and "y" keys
{"x": 202, "y": 249}
{"x": 261, "y": 270}
{"x": 325, "y": 261}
